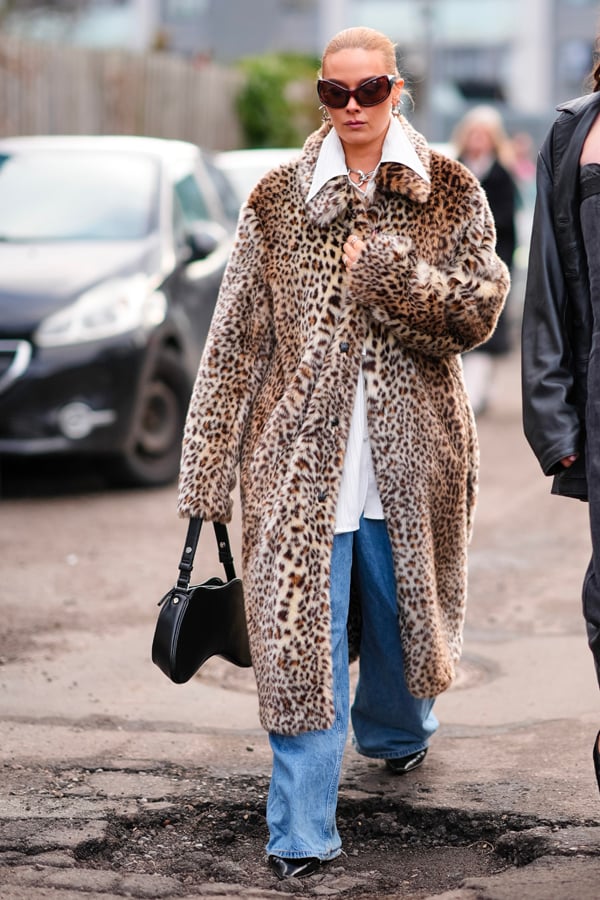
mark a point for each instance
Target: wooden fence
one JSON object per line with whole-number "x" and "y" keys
{"x": 56, "y": 89}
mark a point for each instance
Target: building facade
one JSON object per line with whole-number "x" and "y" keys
{"x": 523, "y": 56}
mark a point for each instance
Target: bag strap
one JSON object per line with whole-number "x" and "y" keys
{"x": 186, "y": 563}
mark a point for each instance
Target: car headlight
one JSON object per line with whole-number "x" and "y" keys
{"x": 114, "y": 307}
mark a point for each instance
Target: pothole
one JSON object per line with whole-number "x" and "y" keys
{"x": 203, "y": 831}
{"x": 219, "y": 833}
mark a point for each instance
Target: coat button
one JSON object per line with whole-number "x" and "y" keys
{"x": 335, "y": 422}
{"x": 322, "y": 495}
{"x": 344, "y": 347}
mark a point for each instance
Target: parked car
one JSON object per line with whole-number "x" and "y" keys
{"x": 112, "y": 251}
{"x": 245, "y": 167}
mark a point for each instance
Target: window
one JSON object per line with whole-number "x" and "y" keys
{"x": 191, "y": 200}
{"x": 224, "y": 189}
{"x": 58, "y": 195}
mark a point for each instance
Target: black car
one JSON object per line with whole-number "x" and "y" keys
{"x": 112, "y": 250}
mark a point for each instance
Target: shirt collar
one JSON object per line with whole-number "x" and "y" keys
{"x": 331, "y": 161}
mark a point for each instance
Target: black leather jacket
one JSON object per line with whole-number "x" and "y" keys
{"x": 557, "y": 316}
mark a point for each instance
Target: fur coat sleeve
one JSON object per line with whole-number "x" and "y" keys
{"x": 238, "y": 349}
{"x": 439, "y": 309}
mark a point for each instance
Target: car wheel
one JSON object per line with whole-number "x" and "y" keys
{"x": 154, "y": 450}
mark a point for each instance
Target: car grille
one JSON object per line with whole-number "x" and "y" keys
{"x": 14, "y": 359}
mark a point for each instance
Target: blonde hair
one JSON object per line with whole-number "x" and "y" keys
{"x": 362, "y": 38}
{"x": 483, "y": 117}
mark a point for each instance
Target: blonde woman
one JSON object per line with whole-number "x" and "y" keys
{"x": 331, "y": 375}
{"x": 482, "y": 144}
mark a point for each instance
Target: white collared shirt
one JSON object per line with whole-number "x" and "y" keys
{"x": 332, "y": 162}
{"x": 358, "y": 490}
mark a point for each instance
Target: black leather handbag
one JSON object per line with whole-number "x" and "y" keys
{"x": 199, "y": 621}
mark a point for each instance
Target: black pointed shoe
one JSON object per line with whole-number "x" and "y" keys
{"x": 403, "y": 764}
{"x": 293, "y": 868}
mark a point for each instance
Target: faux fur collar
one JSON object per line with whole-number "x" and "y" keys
{"x": 333, "y": 199}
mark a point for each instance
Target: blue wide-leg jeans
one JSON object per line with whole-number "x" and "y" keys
{"x": 387, "y": 720}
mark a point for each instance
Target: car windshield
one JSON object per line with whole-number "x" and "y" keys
{"x": 57, "y": 195}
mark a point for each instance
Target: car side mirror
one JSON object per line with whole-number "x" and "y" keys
{"x": 203, "y": 238}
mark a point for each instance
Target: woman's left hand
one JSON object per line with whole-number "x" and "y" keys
{"x": 352, "y": 250}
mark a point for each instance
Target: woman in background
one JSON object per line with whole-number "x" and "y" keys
{"x": 482, "y": 144}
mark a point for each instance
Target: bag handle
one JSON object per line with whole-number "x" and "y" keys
{"x": 186, "y": 563}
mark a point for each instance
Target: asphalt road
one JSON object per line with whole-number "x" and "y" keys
{"x": 90, "y": 730}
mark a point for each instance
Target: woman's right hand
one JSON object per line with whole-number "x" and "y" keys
{"x": 569, "y": 460}
{"x": 352, "y": 248}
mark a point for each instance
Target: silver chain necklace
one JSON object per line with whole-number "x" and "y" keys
{"x": 363, "y": 177}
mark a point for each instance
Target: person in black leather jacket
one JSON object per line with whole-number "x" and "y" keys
{"x": 560, "y": 359}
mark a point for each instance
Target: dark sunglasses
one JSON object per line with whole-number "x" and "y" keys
{"x": 369, "y": 93}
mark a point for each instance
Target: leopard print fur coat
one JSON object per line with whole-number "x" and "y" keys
{"x": 275, "y": 392}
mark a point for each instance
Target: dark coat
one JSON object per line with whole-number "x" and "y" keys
{"x": 502, "y": 194}
{"x": 557, "y": 315}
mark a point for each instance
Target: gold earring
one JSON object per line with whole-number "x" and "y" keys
{"x": 325, "y": 117}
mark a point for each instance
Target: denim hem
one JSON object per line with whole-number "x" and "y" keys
{"x": 304, "y": 854}
{"x": 392, "y": 754}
